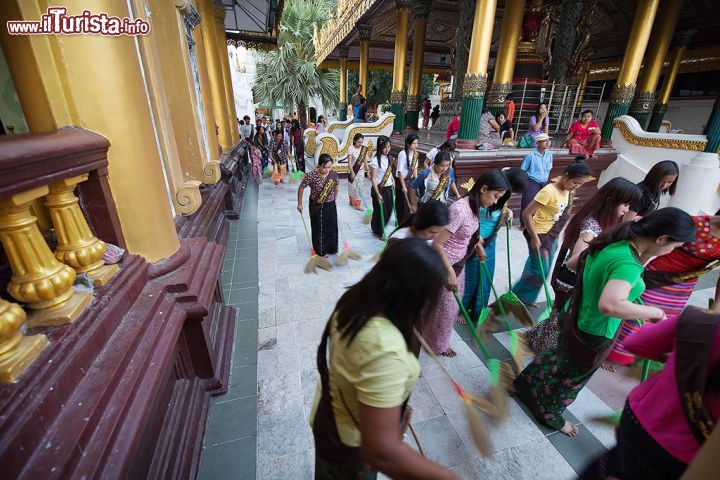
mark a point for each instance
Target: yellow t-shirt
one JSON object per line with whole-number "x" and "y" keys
{"x": 553, "y": 204}
{"x": 376, "y": 369}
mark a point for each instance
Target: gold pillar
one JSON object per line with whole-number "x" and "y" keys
{"x": 215, "y": 73}
{"x": 583, "y": 85}
{"x": 398, "y": 83}
{"x": 681, "y": 40}
{"x": 658, "y": 46}
{"x": 365, "y": 32}
{"x": 624, "y": 90}
{"x": 476, "y": 78}
{"x": 507, "y": 51}
{"x": 225, "y": 68}
{"x": 414, "y": 102}
{"x": 17, "y": 351}
{"x": 38, "y": 279}
{"x": 342, "y": 109}
{"x": 76, "y": 245}
{"x": 208, "y": 109}
{"x": 96, "y": 82}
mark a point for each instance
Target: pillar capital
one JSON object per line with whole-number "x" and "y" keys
{"x": 475, "y": 85}
{"x": 495, "y": 99}
{"x": 364, "y": 31}
{"x": 682, "y": 38}
{"x": 344, "y": 52}
{"x": 622, "y": 94}
{"x": 421, "y": 9}
{"x": 403, "y": 4}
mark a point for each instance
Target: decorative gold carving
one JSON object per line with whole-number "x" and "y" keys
{"x": 38, "y": 279}
{"x": 344, "y": 52}
{"x": 339, "y": 124}
{"x": 330, "y": 145}
{"x": 397, "y": 96}
{"x": 310, "y": 142}
{"x": 643, "y": 102}
{"x": 337, "y": 29}
{"x": 17, "y": 351}
{"x": 622, "y": 94}
{"x": 365, "y": 32}
{"x": 474, "y": 85}
{"x": 414, "y": 103}
{"x": 469, "y": 184}
{"x": 498, "y": 92}
{"x": 697, "y": 145}
{"x": 188, "y": 197}
{"x": 76, "y": 245}
{"x": 211, "y": 171}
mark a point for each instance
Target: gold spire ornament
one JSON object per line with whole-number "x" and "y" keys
{"x": 77, "y": 246}
{"x": 17, "y": 351}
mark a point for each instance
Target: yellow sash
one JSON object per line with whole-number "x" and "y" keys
{"x": 442, "y": 185}
{"x": 414, "y": 162}
{"x": 386, "y": 176}
{"x": 329, "y": 183}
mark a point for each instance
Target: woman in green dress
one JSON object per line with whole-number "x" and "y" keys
{"x": 609, "y": 281}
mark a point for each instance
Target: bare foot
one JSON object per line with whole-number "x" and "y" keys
{"x": 569, "y": 429}
{"x": 608, "y": 366}
{"x": 461, "y": 320}
{"x": 449, "y": 353}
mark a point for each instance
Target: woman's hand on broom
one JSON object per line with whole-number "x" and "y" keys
{"x": 299, "y": 207}
{"x": 452, "y": 282}
{"x": 480, "y": 251}
{"x": 535, "y": 243}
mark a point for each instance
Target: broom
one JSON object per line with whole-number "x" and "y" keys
{"x": 471, "y": 402}
{"x": 518, "y": 344}
{"x": 346, "y": 254}
{"x": 511, "y": 303}
{"x": 315, "y": 261}
{"x": 546, "y": 314}
{"x": 498, "y": 381}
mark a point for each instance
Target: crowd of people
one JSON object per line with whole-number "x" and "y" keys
{"x": 624, "y": 274}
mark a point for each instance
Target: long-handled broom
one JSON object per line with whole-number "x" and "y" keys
{"x": 546, "y": 314}
{"x": 347, "y": 254}
{"x": 385, "y": 237}
{"x": 510, "y": 302}
{"x": 315, "y": 261}
{"x": 472, "y": 404}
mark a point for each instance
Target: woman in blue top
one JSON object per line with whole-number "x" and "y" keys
{"x": 434, "y": 183}
{"x": 492, "y": 219}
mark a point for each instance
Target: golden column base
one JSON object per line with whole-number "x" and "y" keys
{"x": 38, "y": 279}
{"x": 77, "y": 246}
{"x": 17, "y": 351}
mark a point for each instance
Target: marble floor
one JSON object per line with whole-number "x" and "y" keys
{"x": 292, "y": 311}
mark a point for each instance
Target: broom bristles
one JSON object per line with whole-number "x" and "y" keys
{"x": 522, "y": 351}
{"x": 342, "y": 259}
{"x": 477, "y": 429}
{"x": 310, "y": 266}
{"x": 514, "y": 306}
{"x": 324, "y": 263}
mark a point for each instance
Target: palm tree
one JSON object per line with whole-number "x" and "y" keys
{"x": 289, "y": 76}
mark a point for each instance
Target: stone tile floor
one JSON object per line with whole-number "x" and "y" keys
{"x": 260, "y": 428}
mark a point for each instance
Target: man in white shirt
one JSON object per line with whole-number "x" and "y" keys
{"x": 247, "y": 129}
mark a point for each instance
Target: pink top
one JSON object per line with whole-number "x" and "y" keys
{"x": 656, "y": 402}
{"x": 581, "y": 134}
{"x": 462, "y": 224}
{"x": 453, "y": 127}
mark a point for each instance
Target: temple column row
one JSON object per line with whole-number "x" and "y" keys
{"x": 507, "y": 51}
{"x": 363, "y": 72}
{"x": 397, "y": 95}
{"x": 661, "y": 103}
{"x": 414, "y": 102}
{"x": 342, "y": 109}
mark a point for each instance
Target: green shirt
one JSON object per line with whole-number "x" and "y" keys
{"x": 614, "y": 262}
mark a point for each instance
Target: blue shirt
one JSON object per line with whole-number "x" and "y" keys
{"x": 538, "y": 166}
{"x": 419, "y": 182}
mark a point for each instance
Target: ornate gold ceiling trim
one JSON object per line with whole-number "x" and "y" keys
{"x": 696, "y": 60}
{"x": 631, "y": 137}
{"x": 336, "y": 29}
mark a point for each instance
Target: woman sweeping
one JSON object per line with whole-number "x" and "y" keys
{"x": 609, "y": 281}
{"x": 406, "y": 169}
{"x": 458, "y": 242}
{"x": 324, "y": 185}
{"x": 279, "y": 149}
{"x": 434, "y": 183}
{"x": 492, "y": 219}
{"x": 382, "y": 184}
{"x": 365, "y": 381}
{"x": 544, "y": 218}
{"x": 660, "y": 180}
{"x": 357, "y": 166}
{"x": 603, "y": 211}
{"x": 670, "y": 280}
{"x": 660, "y": 434}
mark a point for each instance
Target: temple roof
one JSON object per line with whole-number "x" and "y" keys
{"x": 254, "y": 22}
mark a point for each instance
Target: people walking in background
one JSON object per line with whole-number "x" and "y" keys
{"x": 355, "y": 100}
{"x": 362, "y": 111}
{"x": 584, "y": 136}
{"x": 609, "y": 282}
{"x": 246, "y": 130}
{"x": 435, "y": 114}
{"x": 426, "y": 113}
{"x": 538, "y": 165}
{"x": 660, "y": 180}
{"x": 296, "y": 132}
{"x": 261, "y": 143}
{"x": 279, "y": 155}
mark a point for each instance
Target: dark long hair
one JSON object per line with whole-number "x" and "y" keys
{"x": 603, "y": 208}
{"x": 408, "y": 141}
{"x": 404, "y": 284}
{"x": 295, "y": 125}
{"x": 670, "y": 221}
{"x": 429, "y": 214}
{"x": 259, "y": 136}
{"x": 518, "y": 180}
{"x": 578, "y": 168}
{"x": 494, "y": 180}
{"x": 448, "y": 145}
{"x": 381, "y": 142}
{"x": 654, "y": 177}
